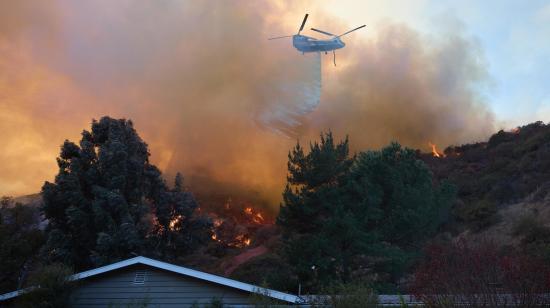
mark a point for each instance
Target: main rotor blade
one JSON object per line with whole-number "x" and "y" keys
{"x": 321, "y": 31}
{"x": 352, "y": 30}
{"x": 303, "y": 24}
{"x": 279, "y": 37}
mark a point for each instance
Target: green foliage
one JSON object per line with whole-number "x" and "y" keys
{"x": 313, "y": 216}
{"x": 400, "y": 204}
{"x": 397, "y": 187}
{"x": 108, "y": 202}
{"x": 342, "y": 214}
{"x": 51, "y": 288}
{"x": 313, "y": 178}
{"x": 20, "y": 239}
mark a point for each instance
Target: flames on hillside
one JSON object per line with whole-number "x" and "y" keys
{"x": 235, "y": 221}
{"x": 435, "y": 152}
{"x": 256, "y": 217}
{"x": 235, "y": 224}
{"x": 449, "y": 152}
{"x": 175, "y": 223}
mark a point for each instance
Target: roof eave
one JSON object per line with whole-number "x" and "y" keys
{"x": 191, "y": 273}
{"x": 175, "y": 269}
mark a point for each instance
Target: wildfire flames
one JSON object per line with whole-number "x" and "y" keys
{"x": 234, "y": 229}
{"x": 217, "y": 222}
{"x": 256, "y": 217}
{"x": 435, "y": 153}
{"x": 241, "y": 241}
{"x": 175, "y": 223}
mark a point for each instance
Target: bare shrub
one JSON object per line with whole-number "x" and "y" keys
{"x": 480, "y": 276}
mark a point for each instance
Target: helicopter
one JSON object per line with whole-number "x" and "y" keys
{"x": 309, "y": 44}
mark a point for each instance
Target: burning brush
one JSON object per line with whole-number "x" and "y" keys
{"x": 233, "y": 228}
{"x": 435, "y": 153}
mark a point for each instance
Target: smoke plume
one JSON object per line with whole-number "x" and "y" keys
{"x": 213, "y": 97}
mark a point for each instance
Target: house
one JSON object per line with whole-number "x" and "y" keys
{"x": 141, "y": 280}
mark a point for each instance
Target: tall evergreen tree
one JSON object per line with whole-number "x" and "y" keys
{"x": 404, "y": 205}
{"x": 109, "y": 202}
{"x": 320, "y": 233}
{"x": 340, "y": 213}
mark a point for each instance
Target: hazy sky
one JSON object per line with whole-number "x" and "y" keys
{"x": 197, "y": 77}
{"x": 513, "y": 35}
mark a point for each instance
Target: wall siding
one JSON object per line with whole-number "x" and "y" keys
{"x": 161, "y": 289}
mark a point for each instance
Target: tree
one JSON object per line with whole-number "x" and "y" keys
{"x": 342, "y": 215}
{"x": 313, "y": 182}
{"x": 48, "y": 286}
{"x": 401, "y": 202}
{"x": 108, "y": 202}
{"x": 313, "y": 214}
{"x": 21, "y": 240}
{"x": 178, "y": 231}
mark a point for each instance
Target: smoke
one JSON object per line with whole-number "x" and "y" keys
{"x": 213, "y": 97}
{"x": 404, "y": 86}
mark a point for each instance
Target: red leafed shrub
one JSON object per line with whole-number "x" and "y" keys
{"x": 480, "y": 276}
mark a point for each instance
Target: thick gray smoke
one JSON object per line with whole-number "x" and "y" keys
{"x": 407, "y": 87}
{"x": 209, "y": 92}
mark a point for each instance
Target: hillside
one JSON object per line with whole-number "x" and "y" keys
{"x": 503, "y": 196}
{"x": 501, "y": 183}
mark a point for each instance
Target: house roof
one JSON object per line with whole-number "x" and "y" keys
{"x": 178, "y": 270}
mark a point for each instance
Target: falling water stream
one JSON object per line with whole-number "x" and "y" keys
{"x": 298, "y": 94}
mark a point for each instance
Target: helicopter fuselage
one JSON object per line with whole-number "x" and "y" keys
{"x": 308, "y": 44}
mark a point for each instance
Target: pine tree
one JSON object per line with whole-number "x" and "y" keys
{"x": 403, "y": 204}
{"x": 340, "y": 213}
{"x": 320, "y": 234}
{"x": 313, "y": 181}
{"x": 108, "y": 202}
